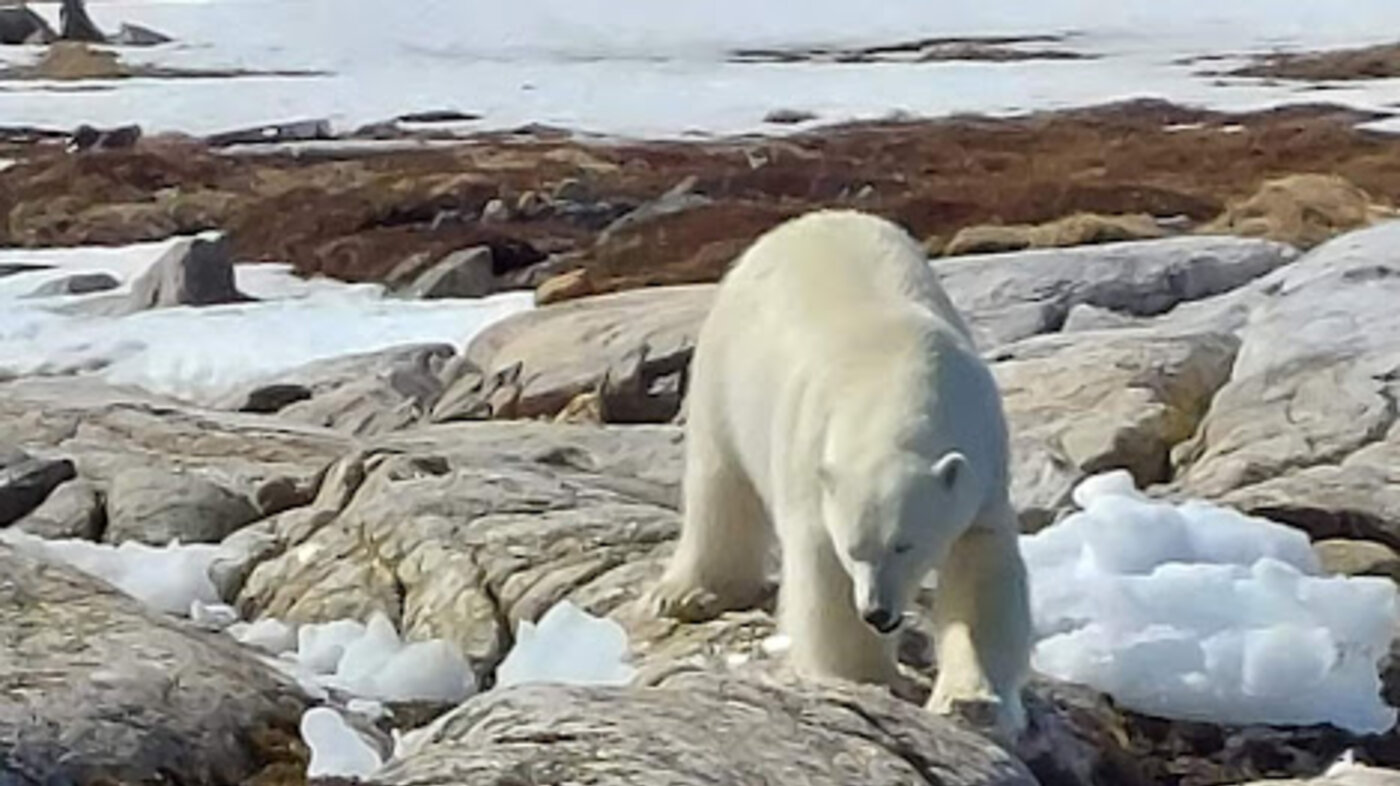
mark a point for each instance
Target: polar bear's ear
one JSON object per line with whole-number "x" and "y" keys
{"x": 949, "y": 468}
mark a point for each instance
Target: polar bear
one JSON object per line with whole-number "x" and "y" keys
{"x": 838, "y": 403}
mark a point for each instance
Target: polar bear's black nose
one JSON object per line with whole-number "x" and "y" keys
{"x": 882, "y": 620}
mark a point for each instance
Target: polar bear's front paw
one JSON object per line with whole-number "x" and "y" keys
{"x": 684, "y": 600}
{"x": 985, "y": 712}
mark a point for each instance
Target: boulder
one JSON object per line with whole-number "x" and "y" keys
{"x": 74, "y": 510}
{"x": 19, "y": 24}
{"x": 1306, "y": 430}
{"x": 196, "y": 271}
{"x": 461, "y": 274}
{"x": 633, "y": 345}
{"x": 99, "y": 689}
{"x": 156, "y": 507}
{"x": 76, "y": 284}
{"x": 697, "y": 729}
{"x": 1011, "y": 296}
{"x": 564, "y": 286}
{"x": 26, "y": 481}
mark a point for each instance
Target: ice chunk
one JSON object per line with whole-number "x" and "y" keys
{"x": 167, "y": 578}
{"x": 320, "y": 647}
{"x": 337, "y": 750}
{"x": 1199, "y": 612}
{"x": 269, "y": 635}
{"x": 567, "y": 646}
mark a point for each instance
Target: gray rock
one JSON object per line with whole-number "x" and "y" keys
{"x": 76, "y": 284}
{"x": 11, "y": 268}
{"x": 1306, "y": 430}
{"x": 21, "y": 25}
{"x": 1011, "y": 296}
{"x": 74, "y": 510}
{"x": 1084, "y": 317}
{"x": 100, "y": 690}
{"x": 461, "y": 274}
{"x": 136, "y": 35}
{"x": 26, "y": 481}
{"x": 194, "y": 272}
{"x": 697, "y": 730}
{"x": 626, "y": 343}
{"x": 1081, "y": 403}
{"x": 154, "y": 506}
{"x": 360, "y": 394}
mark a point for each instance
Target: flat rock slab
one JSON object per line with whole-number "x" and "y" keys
{"x": 94, "y": 688}
{"x": 698, "y": 730}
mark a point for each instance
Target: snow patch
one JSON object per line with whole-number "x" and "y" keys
{"x": 1199, "y": 612}
{"x": 173, "y": 579}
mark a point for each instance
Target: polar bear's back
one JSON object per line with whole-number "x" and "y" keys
{"x": 831, "y": 263}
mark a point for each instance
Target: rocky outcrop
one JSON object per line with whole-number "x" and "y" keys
{"x": 76, "y": 25}
{"x": 696, "y": 729}
{"x": 1011, "y": 296}
{"x": 461, "y": 274}
{"x": 1301, "y": 210}
{"x": 100, "y": 690}
{"x": 193, "y": 272}
{"x": 1076, "y": 230}
{"x": 1306, "y": 430}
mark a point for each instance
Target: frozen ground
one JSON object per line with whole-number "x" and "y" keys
{"x": 636, "y": 68}
{"x": 200, "y": 353}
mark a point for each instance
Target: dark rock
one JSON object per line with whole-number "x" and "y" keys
{"x": 789, "y": 116}
{"x": 194, "y": 272}
{"x": 21, "y": 25}
{"x": 297, "y": 131}
{"x": 438, "y": 116}
{"x": 76, "y": 25}
{"x": 25, "y": 482}
{"x": 275, "y": 397}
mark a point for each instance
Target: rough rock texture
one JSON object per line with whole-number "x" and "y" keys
{"x": 1075, "y": 230}
{"x": 1358, "y": 558}
{"x": 99, "y": 690}
{"x": 74, "y": 510}
{"x": 362, "y": 394}
{"x": 700, "y": 730}
{"x": 105, "y": 430}
{"x": 1083, "y": 403}
{"x": 1011, "y": 296}
{"x": 635, "y": 345}
{"x": 1306, "y": 429}
{"x": 25, "y": 481}
{"x": 156, "y": 506}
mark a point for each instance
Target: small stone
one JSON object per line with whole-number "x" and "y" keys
{"x": 789, "y": 116}
{"x": 495, "y": 212}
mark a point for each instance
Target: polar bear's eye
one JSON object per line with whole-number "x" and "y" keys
{"x": 902, "y": 548}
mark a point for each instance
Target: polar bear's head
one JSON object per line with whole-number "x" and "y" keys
{"x": 892, "y": 524}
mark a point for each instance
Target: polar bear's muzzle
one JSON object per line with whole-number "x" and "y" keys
{"x": 883, "y": 620}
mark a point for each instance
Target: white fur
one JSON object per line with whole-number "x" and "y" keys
{"x": 837, "y": 401}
